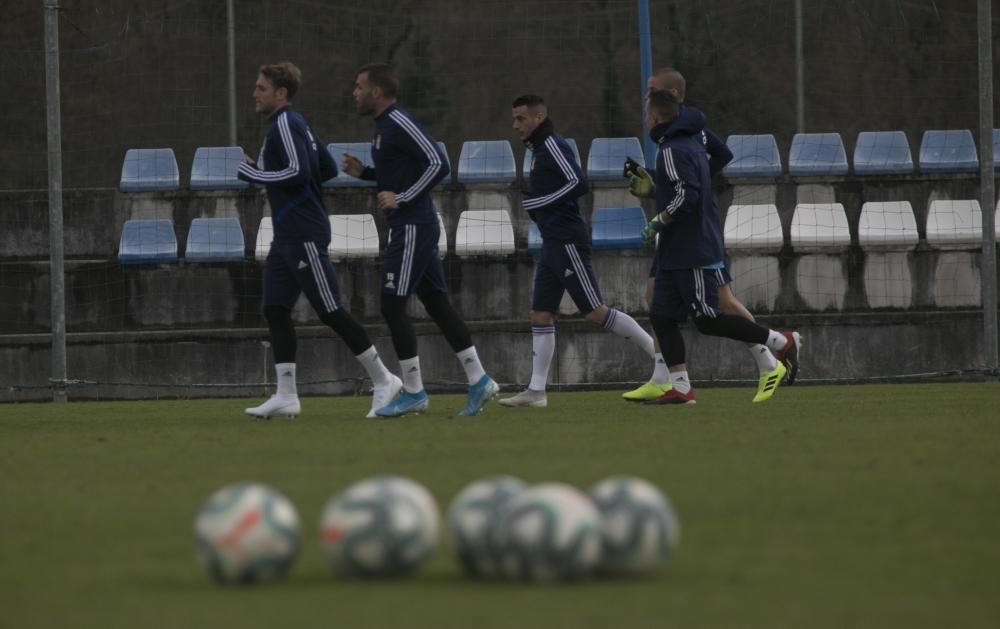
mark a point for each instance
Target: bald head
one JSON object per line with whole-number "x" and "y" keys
{"x": 667, "y": 80}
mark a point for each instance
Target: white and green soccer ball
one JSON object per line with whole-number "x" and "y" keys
{"x": 247, "y": 533}
{"x": 549, "y": 532}
{"x": 473, "y": 517}
{"x": 386, "y": 526}
{"x": 639, "y": 528}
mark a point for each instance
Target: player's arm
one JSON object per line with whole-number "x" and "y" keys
{"x": 419, "y": 145}
{"x": 681, "y": 191}
{"x": 327, "y": 167}
{"x": 718, "y": 153}
{"x": 574, "y": 184}
{"x": 292, "y": 149}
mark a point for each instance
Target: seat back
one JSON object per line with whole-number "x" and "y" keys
{"x": 147, "y": 241}
{"x": 817, "y": 155}
{"x": 753, "y": 156}
{"x": 149, "y": 170}
{"x": 215, "y": 240}
{"x": 617, "y": 228}
{"x": 948, "y": 151}
{"x": 607, "y": 156}
{"x": 882, "y": 153}
{"x": 486, "y": 161}
{"x": 216, "y": 168}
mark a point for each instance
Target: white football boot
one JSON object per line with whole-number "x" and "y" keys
{"x": 383, "y": 394}
{"x": 280, "y": 405}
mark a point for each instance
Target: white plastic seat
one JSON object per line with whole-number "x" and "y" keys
{"x": 484, "y": 232}
{"x": 819, "y": 231}
{"x": 954, "y": 224}
{"x": 753, "y": 228}
{"x": 820, "y": 227}
{"x": 265, "y": 233}
{"x": 887, "y": 226}
{"x": 353, "y": 236}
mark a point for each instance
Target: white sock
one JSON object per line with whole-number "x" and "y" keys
{"x": 765, "y": 359}
{"x": 286, "y": 378}
{"x": 412, "y": 381}
{"x": 543, "y": 347}
{"x": 680, "y": 382}
{"x": 776, "y": 341}
{"x": 373, "y": 366}
{"x": 626, "y": 327}
{"x": 661, "y": 375}
{"x": 470, "y": 363}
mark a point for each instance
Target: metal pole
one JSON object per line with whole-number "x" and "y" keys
{"x": 57, "y": 286}
{"x": 231, "y": 30}
{"x": 800, "y": 62}
{"x": 986, "y": 189}
{"x": 646, "y": 69}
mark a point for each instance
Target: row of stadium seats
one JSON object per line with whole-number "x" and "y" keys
{"x": 492, "y": 161}
{"x": 883, "y": 226}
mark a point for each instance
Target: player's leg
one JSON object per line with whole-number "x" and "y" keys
{"x": 547, "y": 292}
{"x": 666, "y": 312}
{"x": 280, "y": 292}
{"x": 659, "y": 382}
{"x": 701, "y": 294}
{"x": 318, "y": 280}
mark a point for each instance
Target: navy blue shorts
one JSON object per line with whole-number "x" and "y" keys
{"x": 412, "y": 264}
{"x": 565, "y": 267}
{"x": 723, "y": 276}
{"x": 681, "y": 293}
{"x": 301, "y": 267}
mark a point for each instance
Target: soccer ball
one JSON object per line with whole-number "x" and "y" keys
{"x": 472, "y": 522}
{"x": 549, "y": 532}
{"x": 247, "y": 533}
{"x": 638, "y": 525}
{"x": 381, "y": 527}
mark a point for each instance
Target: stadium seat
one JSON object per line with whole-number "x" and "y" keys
{"x": 954, "y": 224}
{"x": 484, "y": 232}
{"x": 442, "y": 238}
{"x": 534, "y": 238}
{"x": 353, "y": 236}
{"x": 606, "y": 160}
{"x": 361, "y": 150}
{"x": 817, "y": 155}
{"x": 214, "y": 240}
{"x": 265, "y": 233}
{"x": 753, "y": 156}
{"x": 617, "y": 228}
{"x": 148, "y": 241}
{"x": 886, "y": 226}
{"x": 529, "y": 154}
{"x": 753, "y": 228}
{"x": 882, "y": 153}
{"x": 996, "y": 149}
{"x": 486, "y": 161}
{"x": 215, "y": 168}
{"x": 149, "y": 170}
{"x": 820, "y": 227}
{"x": 951, "y": 151}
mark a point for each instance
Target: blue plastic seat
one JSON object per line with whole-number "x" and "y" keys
{"x": 817, "y": 155}
{"x": 996, "y": 149}
{"x": 882, "y": 153}
{"x": 361, "y": 150}
{"x": 534, "y": 239}
{"x": 447, "y": 160}
{"x": 618, "y": 227}
{"x": 149, "y": 170}
{"x": 950, "y": 151}
{"x": 215, "y": 240}
{"x": 753, "y": 156}
{"x": 148, "y": 241}
{"x": 215, "y": 168}
{"x": 486, "y": 161}
{"x": 529, "y": 154}
{"x": 606, "y": 160}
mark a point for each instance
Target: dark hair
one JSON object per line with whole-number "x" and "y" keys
{"x": 382, "y": 76}
{"x": 285, "y": 74}
{"x": 527, "y": 100}
{"x": 664, "y": 104}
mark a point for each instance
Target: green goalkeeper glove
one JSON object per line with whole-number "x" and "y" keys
{"x": 641, "y": 183}
{"x": 651, "y": 229}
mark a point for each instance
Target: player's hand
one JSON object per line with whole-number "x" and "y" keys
{"x": 351, "y": 165}
{"x": 641, "y": 184}
{"x": 650, "y": 230}
{"x": 387, "y": 200}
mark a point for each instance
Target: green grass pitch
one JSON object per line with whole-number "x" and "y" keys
{"x": 852, "y": 506}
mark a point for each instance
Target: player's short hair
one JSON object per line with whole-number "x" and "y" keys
{"x": 285, "y": 74}
{"x": 663, "y": 104}
{"x": 528, "y": 100}
{"x": 674, "y": 78}
{"x": 382, "y": 76}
